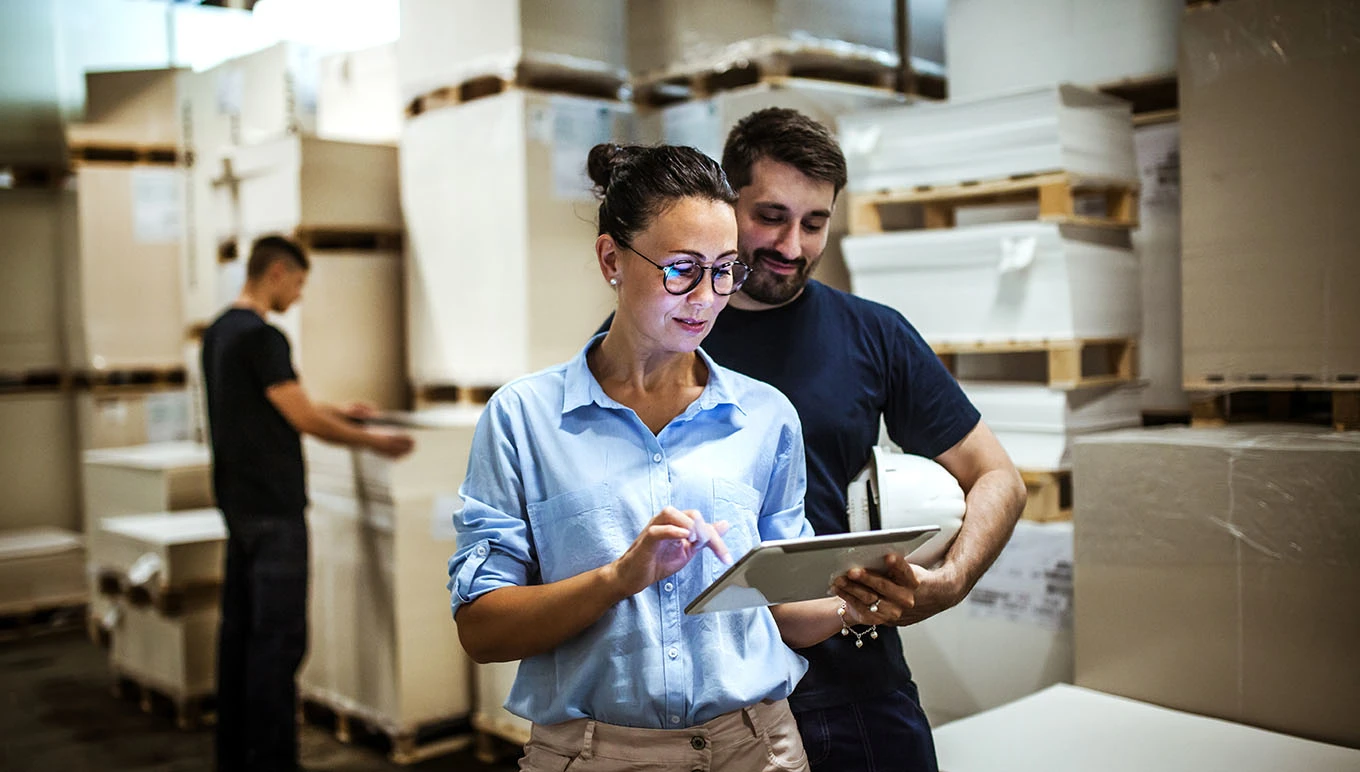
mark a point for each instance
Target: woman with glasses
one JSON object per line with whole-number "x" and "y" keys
{"x": 603, "y": 494}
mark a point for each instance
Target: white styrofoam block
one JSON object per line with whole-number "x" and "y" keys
{"x": 1051, "y": 129}
{"x": 1036, "y": 425}
{"x": 445, "y": 42}
{"x": 1011, "y": 637}
{"x": 516, "y": 160}
{"x": 1000, "y": 46}
{"x": 188, "y": 547}
{"x": 1071, "y": 729}
{"x": 1157, "y": 241}
{"x": 1008, "y": 281}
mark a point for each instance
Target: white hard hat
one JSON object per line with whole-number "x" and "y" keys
{"x": 899, "y": 490}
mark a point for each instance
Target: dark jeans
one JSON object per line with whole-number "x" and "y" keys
{"x": 262, "y": 641}
{"x": 874, "y": 735}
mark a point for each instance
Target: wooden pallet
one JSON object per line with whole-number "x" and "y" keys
{"x": 34, "y": 380}
{"x": 700, "y": 80}
{"x": 1072, "y": 364}
{"x": 1050, "y": 496}
{"x": 497, "y": 742}
{"x": 433, "y": 395}
{"x": 59, "y": 615}
{"x": 539, "y": 76}
{"x": 140, "y": 377}
{"x": 1220, "y": 401}
{"x": 189, "y": 711}
{"x": 339, "y": 238}
{"x": 165, "y": 155}
{"x": 403, "y": 747}
{"x": 167, "y": 601}
{"x": 33, "y": 176}
{"x": 1060, "y": 196}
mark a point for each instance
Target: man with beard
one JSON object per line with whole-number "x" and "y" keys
{"x": 257, "y": 412}
{"x": 846, "y": 363}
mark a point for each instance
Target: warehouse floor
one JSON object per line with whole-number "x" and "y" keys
{"x": 57, "y": 712}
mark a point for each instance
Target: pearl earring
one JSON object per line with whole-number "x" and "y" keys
{"x": 613, "y": 282}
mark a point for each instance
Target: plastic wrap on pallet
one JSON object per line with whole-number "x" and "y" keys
{"x": 1063, "y": 128}
{"x": 1269, "y": 275}
{"x": 1261, "y": 521}
{"x": 1015, "y": 281}
{"x": 446, "y": 42}
{"x": 1000, "y": 46}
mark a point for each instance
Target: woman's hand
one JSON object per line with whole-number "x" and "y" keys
{"x": 667, "y": 544}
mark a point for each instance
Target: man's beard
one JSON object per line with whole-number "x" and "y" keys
{"x": 764, "y": 286}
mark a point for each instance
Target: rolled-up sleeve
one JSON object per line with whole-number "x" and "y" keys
{"x": 493, "y": 534}
{"x": 782, "y": 515}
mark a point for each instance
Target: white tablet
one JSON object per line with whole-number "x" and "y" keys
{"x": 802, "y": 569}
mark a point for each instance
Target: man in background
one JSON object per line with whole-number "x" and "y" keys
{"x": 257, "y": 412}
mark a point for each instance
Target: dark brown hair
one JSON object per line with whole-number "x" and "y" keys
{"x": 635, "y": 183}
{"x": 787, "y": 136}
{"x": 269, "y": 250}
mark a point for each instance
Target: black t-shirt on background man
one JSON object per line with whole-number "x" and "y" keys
{"x": 844, "y": 362}
{"x": 257, "y": 455}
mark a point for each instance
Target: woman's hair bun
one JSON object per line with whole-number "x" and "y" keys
{"x": 604, "y": 162}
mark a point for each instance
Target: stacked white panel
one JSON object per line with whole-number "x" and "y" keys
{"x": 1064, "y": 128}
{"x": 41, "y": 568}
{"x": 1001, "y": 282}
{"x": 38, "y": 462}
{"x": 502, "y": 277}
{"x": 158, "y": 477}
{"x": 359, "y": 99}
{"x": 34, "y": 242}
{"x": 1157, "y": 241}
{"x": 1037, "y": 425}
{"x": 1000, "y": 46}
{"x": 446, "y": 42}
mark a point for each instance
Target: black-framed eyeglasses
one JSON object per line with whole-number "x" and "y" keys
{"x": 682, "y": 276}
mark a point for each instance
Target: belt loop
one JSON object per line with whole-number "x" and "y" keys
{"x": 588, "y": 739}
{"x": 753, "y": 713}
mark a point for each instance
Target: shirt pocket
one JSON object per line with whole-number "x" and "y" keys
{"x": 738, "y": 504}
{"x": 575, "y": 532}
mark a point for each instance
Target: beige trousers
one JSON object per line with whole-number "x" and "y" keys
{"x": 763, "y": 737}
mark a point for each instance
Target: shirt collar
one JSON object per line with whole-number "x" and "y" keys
{"x": 580, "y": 387}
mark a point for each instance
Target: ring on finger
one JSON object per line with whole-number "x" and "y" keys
{"x": 873, "y": 607}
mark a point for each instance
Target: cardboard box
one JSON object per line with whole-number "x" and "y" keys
{"x": 1061, "y": 128}
{"x": 347, "y": 332}
{"x": 359, "y": 99}
{"x": 1157, "y": 242}
{"x": 517, "y": 160}
{"x": 305, "y": 184}
{"x": 158, "y": 477}
{"x": 38, "y": 464}
{"x": 1268, "y": 269}
{"x": 705, "y": 123}
{"x": 446, "y": 42}
{"x": 669, "y": 35}
{"x": 383, "y": 643}
{"x": 129, "y": 108}
{"x": 32, "y": 251}
{"x": 123, "y": 287}
{"x": 210, "y": 208}
{"x": 1037, "y": 425}
{"x": 1010, "y": 637}
{"x": 997, "y": 47}
{"x": 1018, "y": 281}
{"x": 1216, "y": 572}
{"x": 120, "y": 418}
{"x": 41, "y": 568}
{"x": 1070, "y": 729}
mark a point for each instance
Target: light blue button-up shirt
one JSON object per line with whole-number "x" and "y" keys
{"x": 562, "y": 479}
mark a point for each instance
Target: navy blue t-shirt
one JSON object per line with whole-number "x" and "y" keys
{"x": 843, "y": 362}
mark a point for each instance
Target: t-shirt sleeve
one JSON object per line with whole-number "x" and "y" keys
{"x": 927, "y": 412}
{"x": 272, "y": 358}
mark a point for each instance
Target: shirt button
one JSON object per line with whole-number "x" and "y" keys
{"x": 481, "y": 550}
{"x": 669, "y": 587}
{"x": 675, "y": 719}
{"x": 656, "y": 457}
{"x": 698, "y": 743}
{"x": 673, "y": 653}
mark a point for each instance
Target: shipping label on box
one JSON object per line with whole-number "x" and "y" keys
{"x": 577, "y": 126}
{"x": 1031, "y": 581}
{"x": 167, "y": 417}
{"x": 694, "y": 124}
{"x": 157, "y": 205}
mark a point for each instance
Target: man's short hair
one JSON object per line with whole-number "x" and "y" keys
{"x": 787, "y": 136}
{"x": 271, "y": 249}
